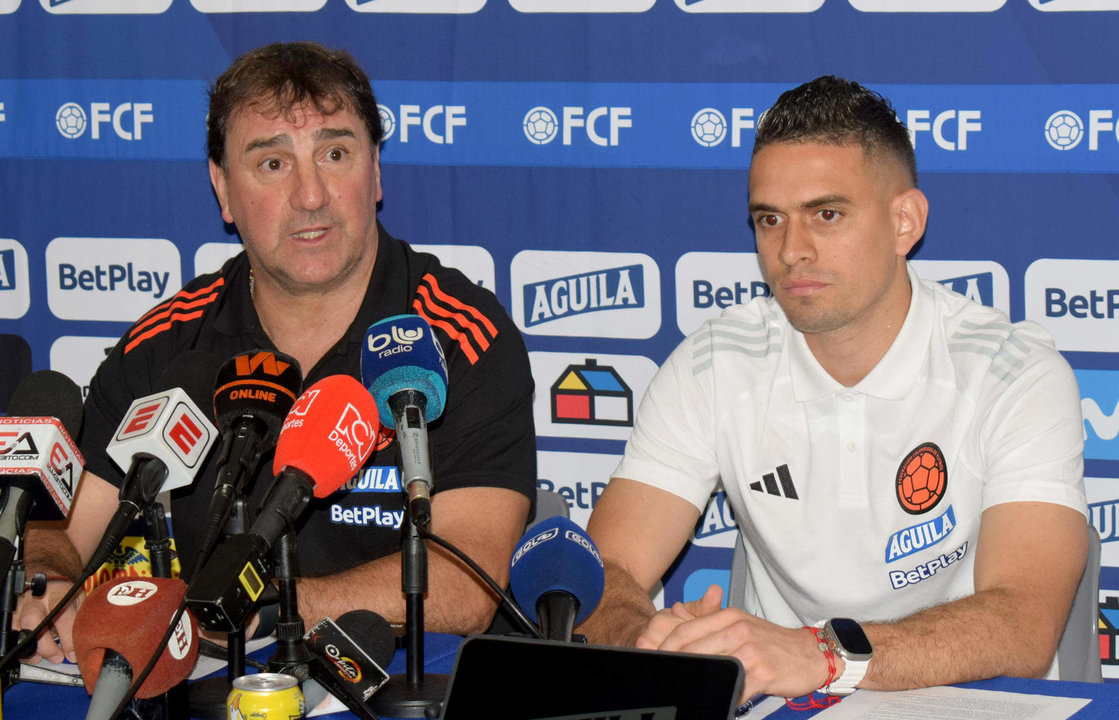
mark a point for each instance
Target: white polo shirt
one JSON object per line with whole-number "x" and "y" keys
{"x": 812, "y": 468}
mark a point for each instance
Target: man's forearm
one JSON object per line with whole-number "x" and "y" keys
{"x": 928, "y": 648}
{"x": 456, "y": 601}
{"x": 48, "y": 550}
{"x": 623, "y": 612}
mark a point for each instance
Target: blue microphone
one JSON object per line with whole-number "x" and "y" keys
{"x": 403, "y": 366}
{"x": 556, "y": 575}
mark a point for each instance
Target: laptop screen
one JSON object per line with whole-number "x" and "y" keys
{"x": 522, "y": 679}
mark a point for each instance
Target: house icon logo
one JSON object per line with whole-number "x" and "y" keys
{"x": 592, "y": 394}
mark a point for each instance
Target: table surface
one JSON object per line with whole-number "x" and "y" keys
{"x": 34, "y": 701}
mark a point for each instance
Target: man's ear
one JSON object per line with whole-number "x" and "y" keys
{"x": 377, "y": 171}
{"x": 911, "y": 212}
{"x": 221, "y": 189}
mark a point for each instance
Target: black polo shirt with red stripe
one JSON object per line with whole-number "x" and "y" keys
{"x": 484, "y": 437}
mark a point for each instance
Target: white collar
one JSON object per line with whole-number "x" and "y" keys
{"x": 893, "y": 376}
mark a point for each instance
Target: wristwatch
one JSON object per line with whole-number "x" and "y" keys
{"x": 847, "y": 639}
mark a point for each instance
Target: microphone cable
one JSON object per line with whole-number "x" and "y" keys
{"x": 522, "y": 619}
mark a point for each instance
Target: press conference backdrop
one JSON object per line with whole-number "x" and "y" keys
{"x": 586, "y": 160}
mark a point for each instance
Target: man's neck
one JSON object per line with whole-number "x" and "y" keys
{"x": 307, "y": 325}
{"x": 851, "y": 352}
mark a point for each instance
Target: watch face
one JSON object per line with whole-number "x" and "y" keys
{"x": 850, "y": 636}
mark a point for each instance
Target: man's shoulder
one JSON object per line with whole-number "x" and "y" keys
{"x": 178, "y": 320}
{"x": 983, "y": 337}
{"x": 469, "y": 315}
{"x": 753, "y": 333}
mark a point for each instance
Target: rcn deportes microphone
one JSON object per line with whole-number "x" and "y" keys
{"x": 163, "y": 441}
{"x": 39, "y": 462}
{"x": 327, "y": 436}
{"x": 119, "y": 627}
{"x": 556, "y": 575}
{"x": 403, "y": 366}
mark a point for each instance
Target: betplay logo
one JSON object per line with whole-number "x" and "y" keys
{"x": 475, "y": 262}
{"x": 424, "y": 7}
{"x": 110, "y": 278}
{"x": 1074, "y": 5}
{"x": 105, "y": 7}
{"x": 239, "y": 6}
{"x": 1077, "y": 301}
{"x": 927, "y": 5}
{"x": 581, "y": 6}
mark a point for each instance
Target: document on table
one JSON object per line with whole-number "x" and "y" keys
{"x": 952, "y": 703}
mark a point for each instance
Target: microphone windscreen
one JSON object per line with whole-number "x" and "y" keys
{"x": 49, "y": 393}
{"x": 129, "y": 616}
{"x": 329, "y": 433}
{"x": 371, "y": 632}
{"x": 259, "y": 383}
{"x": 556, "y": 555}
{"x": 401, "y": 353}
{"x": 194, "y": 372}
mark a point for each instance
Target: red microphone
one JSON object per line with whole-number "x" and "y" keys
{"x": 326, "y": 437}
{"x": 119, "y": 627}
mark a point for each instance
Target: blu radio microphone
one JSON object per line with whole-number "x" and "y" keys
{"x": 403, "y": 366}
{"x": 556, "y": 574}
{"x": 119, "y": 627}
{"x": 253, "y": 392}
{"x": 161, "y": 443}
{"x": 39, "y": 463}
{"x": 349, "y": 656}
{"x": 327, "y": 436}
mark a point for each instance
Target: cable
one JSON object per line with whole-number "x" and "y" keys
{"x": 514, "y": 608}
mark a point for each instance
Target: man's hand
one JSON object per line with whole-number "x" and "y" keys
{"x": 777, "y": 660}
{"x": 31, "y": 610}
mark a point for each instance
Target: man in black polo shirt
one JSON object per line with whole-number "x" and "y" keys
{"x": 293, "y": 142}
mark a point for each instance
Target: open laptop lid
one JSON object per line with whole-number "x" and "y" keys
{"x": 523, "y": 679}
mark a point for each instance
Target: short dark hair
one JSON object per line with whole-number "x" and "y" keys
{"x": 835, "y": 111}
{"x": 280, "y": 76}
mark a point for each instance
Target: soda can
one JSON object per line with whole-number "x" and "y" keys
{"x": 265, "y": 696}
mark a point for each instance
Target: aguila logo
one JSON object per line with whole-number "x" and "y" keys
{"x": 922, "y": 479}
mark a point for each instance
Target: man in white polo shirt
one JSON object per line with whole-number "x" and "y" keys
{"x": 905, "y": 464}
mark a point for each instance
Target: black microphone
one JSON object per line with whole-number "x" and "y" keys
{"x": 163, "y": 441}
{"x": 253, "y": 393}
{"x": 349, "y": 657}
{"x": 328, "y": 434}
{"x": 38, "y": 456}
{"x": 403, "y": 366}
{"x": 556, "y": 574}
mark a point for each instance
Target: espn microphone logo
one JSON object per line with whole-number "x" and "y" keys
{"x": 185, "y": 432}
{"x": 352, "y": 435}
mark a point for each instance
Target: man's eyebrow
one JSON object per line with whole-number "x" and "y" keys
{"x": 328, "y": 133}
{"x": 834, "y": 199}
{"x": 266, "y": 143}
{"x": 760, "y": 207}
{"x": 283, "y": 139}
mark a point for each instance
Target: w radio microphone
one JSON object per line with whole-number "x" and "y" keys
{"x": 556, "y": 574}
{"x": 403, "y": 366}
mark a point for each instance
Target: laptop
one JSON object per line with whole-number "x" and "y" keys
{"x": 523, "y": 679}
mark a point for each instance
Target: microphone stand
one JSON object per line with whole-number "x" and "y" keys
{"x": 170, "y": 705}
{"x": 410, "y": 695}
{"x": 208, "y": 695}
{"x": 292, "y": 656}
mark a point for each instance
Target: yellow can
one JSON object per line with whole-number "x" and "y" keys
{"x": 265, "y": 696}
